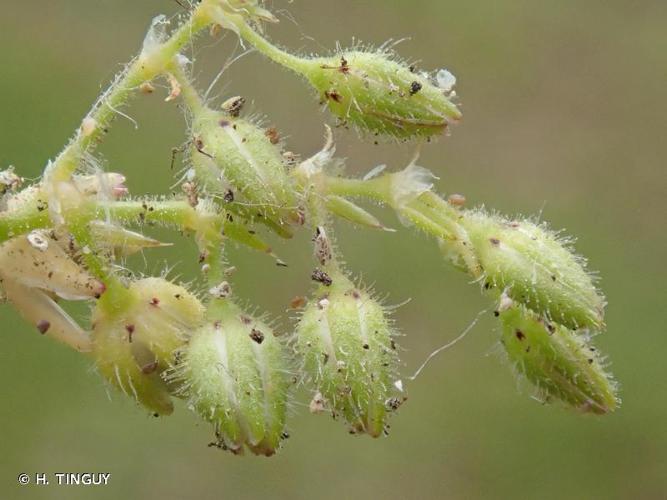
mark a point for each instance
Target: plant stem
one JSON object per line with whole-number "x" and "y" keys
{"x": 176, "y": 212}
{"x": 14, "y": 224}
{"x": 276, "y": 54}
{"x": 189, "y": 93}
{"x": 378, "y": 189}
{"x": 428, "y": 211}
{"x": 208, "y": 227}
{"x": 143, "y": 68}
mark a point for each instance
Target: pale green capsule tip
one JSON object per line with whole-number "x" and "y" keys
{"x": 376, "y": 93}
{"x": 562, "y": 364}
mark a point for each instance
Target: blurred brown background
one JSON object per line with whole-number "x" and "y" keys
{"x": 564, "y": 106}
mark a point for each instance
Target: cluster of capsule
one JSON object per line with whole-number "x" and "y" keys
{"x": 156, "y": 340}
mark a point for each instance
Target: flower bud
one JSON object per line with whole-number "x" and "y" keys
{"x": 535, "y": 269}
{"x": 346, "y": 344}
{"x": 379, "y": 94}
{"x": 237, "y": 160}
{"x": 134, "y": 341}
{"x": 562, "y": 364}
{"x": 235, "y": 375}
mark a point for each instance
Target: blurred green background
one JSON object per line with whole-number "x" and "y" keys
{"x": 565, "y": 110}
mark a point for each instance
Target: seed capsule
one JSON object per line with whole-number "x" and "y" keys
{"x": 231, "y": 152}
{"x": 235, "y": 375}
{"x": 346, "y": 344}
{"x": 37, "y": 260}
{"x": 134, "y": 341}
{"x": 561, "y": 363}
{"x": 378, "y": 94}
{"x": 535, "y": 268}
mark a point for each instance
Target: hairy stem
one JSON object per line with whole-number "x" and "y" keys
{"x": 14, "y": 224}
{"x": 189, "y": 93}
{"x": 428, "y": 211}
{"x": 143, "y": 68}
{"x": 175, "y": 212}
{"x": 271, "y": 51}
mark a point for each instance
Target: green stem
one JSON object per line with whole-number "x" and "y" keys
{"x": 176, "y": 212}
{"x": 211, "y": 244}
{"x": 276, "y": 54}
{"x": 208, "y": 227}
{"x": 189, "y": 93}
{"x": 116, "y": 294}
{"x": 14, "y": 224}
{"x": 429, "y": 212}
{"x": 314, "y": 193}
{"x": 378, "y": 189}
{"x": 143, "y": 68}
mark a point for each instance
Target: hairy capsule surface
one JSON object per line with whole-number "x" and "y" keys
{"x": 561, "y": 363}
{"x": 134, "y": 344}
{"x": 235, "y": 375}
{"x": 349, "y": 355}
{"x": 380, "y": 95}
{"x": 237, "y": 160}
{"x": 535, "y": 269}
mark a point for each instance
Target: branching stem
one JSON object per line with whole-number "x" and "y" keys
{"x": 143, "y": 68}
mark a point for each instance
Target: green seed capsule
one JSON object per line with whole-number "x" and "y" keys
{"x": 561, "y": 363}
{"x": 237, "y": 160}
{"x": 370, "y": 89}
{"x": 235, "y": 375}
{"x": 535, "y": 268}
{"x": 380, "y": 95}
{"x": 346, "y": 343}
{"x": 134, "y": 345}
